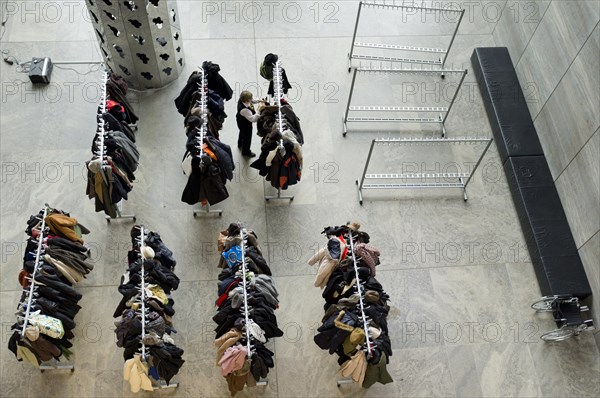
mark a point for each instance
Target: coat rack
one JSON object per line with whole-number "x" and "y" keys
{"x": 442, "y": 112}
{"x": 201, "y": 134}
{"x": 392, "y": 6}
{"x": 156, "y": 384}
{"x": 281, "y": 124}
{"x": 54, "y": 365}
{"x": 102, "y": 151}
{"x": 247, "y": 308}
{"x": 368, "y": 345}
{"x": 459, "y": 177}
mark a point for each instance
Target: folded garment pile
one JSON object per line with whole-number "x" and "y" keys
{"x": 144, "y": 326}
{"x": 245, "y": 310}
{"x": 355, "y": 322}
{"x": 55, "y": 260}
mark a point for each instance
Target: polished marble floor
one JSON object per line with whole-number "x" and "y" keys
{"x": 458, "y": 273}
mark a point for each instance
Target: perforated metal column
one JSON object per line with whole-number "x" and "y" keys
{"x": 139, "y": 39}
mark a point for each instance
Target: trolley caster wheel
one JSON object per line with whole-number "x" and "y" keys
{"x": 220, "y": 214}
{"x": 134, "y": 219}
{"x": 344, "y": 134}
{"x": 108, "y": 220}
{"x": 356, "y": 182}
{"x": 267, "y": 200}
{"x": 443, "y": 76}
{"x": 361, "y": 202}
{"x": 73, "y": 370}
{"x": 349, "y": 70}
{"x": 42, "y": 371}
{"x": 194, "y": 215}
{"x": 292, "y": 199}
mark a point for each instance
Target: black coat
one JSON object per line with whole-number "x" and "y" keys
{"x": 215, "y": 81}
{"x": 224, "y": 155}
{"x": 204, "y": 184}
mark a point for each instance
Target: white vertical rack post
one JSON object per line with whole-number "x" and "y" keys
{"x": 281, "y": 123}
{"x": 441, "y": 111}
{"x": 156, "y": 384}
{"x": 54, "y": 364}
{"x": 247, "y": 308}
{"x": 102, "y": 150}
{"x": 143, "y": 291}
{"x": 427, "y": 177}
{"x": 361, "y": 305}
{"x": 392, "y": 6}
{"x": 201, "y": 134}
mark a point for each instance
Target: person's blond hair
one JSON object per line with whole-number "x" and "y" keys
{"x": 245, "y": 96}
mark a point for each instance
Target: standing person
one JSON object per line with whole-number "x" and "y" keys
{"x": 246, "y": 115}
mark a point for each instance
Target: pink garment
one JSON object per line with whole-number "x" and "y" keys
{"x": 233, "y": 359}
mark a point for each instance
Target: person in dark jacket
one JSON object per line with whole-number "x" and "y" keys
{"x": 246, "y": 115}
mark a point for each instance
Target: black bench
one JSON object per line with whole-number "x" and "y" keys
{"x": 552, "y": 249}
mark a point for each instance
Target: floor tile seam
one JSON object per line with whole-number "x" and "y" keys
{"x": 501, "y": 13}
{"x": 589, "y": 239}
{"x": 445, "y": 348}
{"x": 565, "y": 74}
{"x": 7, "y": 43}
{"x": 535, "y": 369}
{"x": 578, "y": 152}
{"x": 325, "y": 37}
{"x": 533, "y": 34}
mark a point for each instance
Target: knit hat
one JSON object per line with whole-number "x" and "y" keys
{"x": 237, "y": 297}
{"x": 352, "y": 300}
{"x": 354, "y": 226}
{"x": 265, "y": 282}
{"x": 354, "y": 339}
{"x": 374, "y": 332}
{"x": 371, "y": 296}
{"x": 147, "y": 252}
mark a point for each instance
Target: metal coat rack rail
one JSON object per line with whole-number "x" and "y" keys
{"x": 201, "y": 134}
{"x": 281, "y": 123}
{"x": 102, "y": 133}
{"x": 442, "y": 111}
{"x": 156, "y": 384}
{"x": 247, "y": 308}
{"x": 401, "y": 6}
{"x": 368, "y": 346}
{"x": 460, "y": 177}
{"x": 31, "y": 293}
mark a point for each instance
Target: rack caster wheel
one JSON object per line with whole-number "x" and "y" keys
{"x": 292, "y": 199}
{"x": 194, "y": 215}
{"x": 356, "y": 182}
{"x": 108, "y": 220}
{"x": 73, "y": 370}
{"x": 134, "y": 219}
{"x": 267, "y": 200}
{"x": 220, "y": 214}
{"x": 443, "y": 76}
{"x": 344, "y": 134}
{"x": 361, "y": 202}
{"x": 42, "y": 371}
